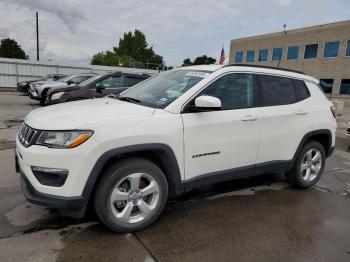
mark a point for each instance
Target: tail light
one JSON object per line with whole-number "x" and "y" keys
{"x": 334, "y": 111}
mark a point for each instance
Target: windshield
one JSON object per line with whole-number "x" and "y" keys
{"x": 164, "y": 88}
{"x": 90, "y": 80}
{"x": 66, "y": 78}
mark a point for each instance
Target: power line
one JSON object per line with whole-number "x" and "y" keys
{"x": 37, "y": 36}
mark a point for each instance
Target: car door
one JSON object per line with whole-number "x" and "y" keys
{"x": 285, "y": 119}
{"x": 225, "y": 140}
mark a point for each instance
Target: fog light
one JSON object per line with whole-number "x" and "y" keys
{"x": 47, "y": 176}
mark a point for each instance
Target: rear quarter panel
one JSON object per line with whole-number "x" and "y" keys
{"x": 320, "y": 109}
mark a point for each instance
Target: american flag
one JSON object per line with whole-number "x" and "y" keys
{"x": 222, "y": 57}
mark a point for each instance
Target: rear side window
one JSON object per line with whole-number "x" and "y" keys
{"x": 302, "y": 88}
{"x": 277, "y": 91}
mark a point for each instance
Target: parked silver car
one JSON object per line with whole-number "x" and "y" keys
{"x": 38, "y": 90}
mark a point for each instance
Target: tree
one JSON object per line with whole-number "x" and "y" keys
{"x": 204, "y": 60}
{"x": 132, "y": 50}
{"x": 187, "y": 62}
{"x": 200, "y": 60}
{"x": 9, "y": 48}
{"x": 109, "y": 58}
{"x": 135, "y": 45}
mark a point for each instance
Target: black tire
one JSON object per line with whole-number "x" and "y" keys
{"x": 295, "y": 176}
{"x": 43, "y": 97}
{"x": 111, "y": 177}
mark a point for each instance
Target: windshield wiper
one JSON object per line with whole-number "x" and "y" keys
{"x": 129, "y": 99}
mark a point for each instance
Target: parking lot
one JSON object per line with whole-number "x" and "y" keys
{"x": 257, "y": 219}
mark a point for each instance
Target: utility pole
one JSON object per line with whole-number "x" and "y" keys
{"x": 37, "y": 36}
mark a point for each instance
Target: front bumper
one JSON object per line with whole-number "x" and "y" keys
{"x": 69, "y": 206}
{"x": 33, "y": 94}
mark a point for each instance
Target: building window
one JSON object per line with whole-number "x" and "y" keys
{"x": 331, "y": 49}
{"x": 327, "y": 85}
{"x": 263, "y": 54}
{"x": 347, "y": 53}
{"x": 311, "y": 51}
{"x": 239, "y": 57}
{"x": 277, "y": 54}
{"x": 345, "y": 87}
{"x": 293, "y": 52}
{"x": 250, "y": 56}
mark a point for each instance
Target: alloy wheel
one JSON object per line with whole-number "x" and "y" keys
{"x": 134, "y": 198}
{"x": 311, "y": 164}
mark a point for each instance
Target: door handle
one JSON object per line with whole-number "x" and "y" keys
{"x": 301, "y": 112}
{"x": 249, "y": 118}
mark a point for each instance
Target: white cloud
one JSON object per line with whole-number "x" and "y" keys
{"x": 73, "y": 30}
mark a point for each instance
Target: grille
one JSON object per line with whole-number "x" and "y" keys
{"x": 27, "y": 135}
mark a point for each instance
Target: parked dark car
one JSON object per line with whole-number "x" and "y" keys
{"x": 24, "y": 85}
{"x": 97, "y": 86}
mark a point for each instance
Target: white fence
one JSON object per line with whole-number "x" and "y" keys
{"x": 13, "y": 71}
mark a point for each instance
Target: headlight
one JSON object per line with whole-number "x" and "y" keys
{"x": 57, "y": 95}
{"x": 63, "y": 139}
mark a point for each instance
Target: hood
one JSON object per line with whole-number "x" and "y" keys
{"x": 42, "y": 82}
{"x": 27, "y": 82}
{"x": 60, "y": 88}
{"x": 52, "y": 84}
{"x": 74, "y": 115}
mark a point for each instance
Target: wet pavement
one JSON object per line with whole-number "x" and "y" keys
{"x": 256, "y": 219}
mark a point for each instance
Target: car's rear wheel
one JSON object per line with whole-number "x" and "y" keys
{"x": 308, "y": 167}
{"x": 131, "y": 195}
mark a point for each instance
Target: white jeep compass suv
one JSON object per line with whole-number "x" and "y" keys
{"x": 183, "y": 128}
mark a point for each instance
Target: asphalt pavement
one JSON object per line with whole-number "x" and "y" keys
{"x": 255, "y": 219}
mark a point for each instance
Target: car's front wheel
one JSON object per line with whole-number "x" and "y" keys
{"x": 131, "y": 195}
{"x": 308, "y": 167}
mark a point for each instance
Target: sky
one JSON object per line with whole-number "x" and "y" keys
{"x": 72, "y": 31}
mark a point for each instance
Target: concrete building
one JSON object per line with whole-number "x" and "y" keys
{"x": 321, "y": 51}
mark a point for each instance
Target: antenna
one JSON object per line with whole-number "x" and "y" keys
{"x": 284, "y": 28}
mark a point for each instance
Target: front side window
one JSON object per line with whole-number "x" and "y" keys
{"x": 347, "y": 53}
{"x": 239, "y": 57}
{"x": 277, "y": 90}
{"x": 293, "y": 52}
{"x": 277, "y": 54}
{"x": 345, "y": 87}
{"x": 163, "y": 89}
{"x": 263, "y": 54}
{"x": 234, "y": 90}
{"x": 327, "y": 85}
{"x": 90, "y": 80}
{"x": 112, "y": 82}
{"x": 311, "y": 51}
{"x": 131, "y": 81}
{"x": 331, "y": 49}
{"x": 250, "y": 55}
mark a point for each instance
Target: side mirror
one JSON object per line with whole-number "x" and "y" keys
{"x": 69, "y": 82}
{"x": 206, "y": 103}
{"x": 100, "y": 87}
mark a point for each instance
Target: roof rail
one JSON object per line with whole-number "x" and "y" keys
{"x": 267, "y": 67}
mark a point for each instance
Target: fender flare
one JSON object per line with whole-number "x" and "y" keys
{"x": 311, "y": 134}
{"x": 165, "y": 153}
